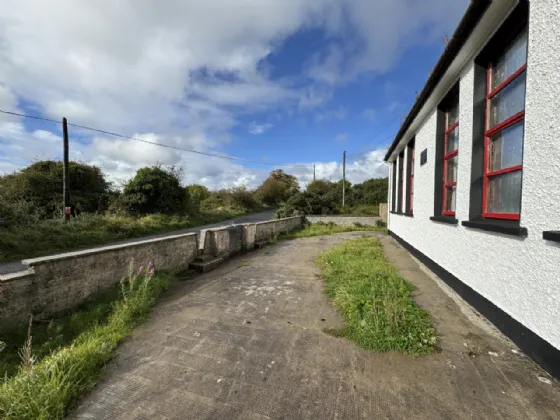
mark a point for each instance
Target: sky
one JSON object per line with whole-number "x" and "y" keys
{"x": 287, "y": 84}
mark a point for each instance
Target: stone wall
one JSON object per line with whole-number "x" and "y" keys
{"x": 344, "y": 220}
{"x": 60, "y": 282}
{"x": 266, "y": 230}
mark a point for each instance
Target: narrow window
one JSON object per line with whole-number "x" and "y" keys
{"x": 503, "y": 140}
{"x": 401, "y": 182}
{"x": 450, "y": 158}
{"x": 394, "y": 187}
{"x": 411, "y": 178}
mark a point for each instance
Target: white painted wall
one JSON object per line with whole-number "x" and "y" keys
{"x": 520, "y": 276}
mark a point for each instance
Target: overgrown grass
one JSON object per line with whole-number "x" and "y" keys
{"x": 48, "y": 388}
{"x": 319, "y": 229}
{"x": 50, "y": 335}
{"x": 379, "y": 311}
{"x": 360, "y": 210}
{"x": 52, "y": 236}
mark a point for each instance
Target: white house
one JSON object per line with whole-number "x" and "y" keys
{"x": 475, "y": 171}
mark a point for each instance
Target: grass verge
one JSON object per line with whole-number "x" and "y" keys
{"x": 379, "y": 311}
{"x": 48, "y": 388}
{"x": 52, "y": 236}
{"x": 320, "y": 229}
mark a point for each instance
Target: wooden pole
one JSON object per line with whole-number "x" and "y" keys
{"x": 65, "y": 176}
{"x": 343, "y": 177}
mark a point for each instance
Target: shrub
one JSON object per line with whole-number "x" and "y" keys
{"x": 154, "y": 189}
{"x": 35, "y": 192}
{"x": 197, "y": 194}
{"x": 307, "y": 203}
{"x": 278, "y": 187}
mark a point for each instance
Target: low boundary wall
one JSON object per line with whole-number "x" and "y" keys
{"x": 61, "y": 282}
{"x": 344, "y": 220}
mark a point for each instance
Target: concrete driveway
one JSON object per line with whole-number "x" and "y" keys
{"x": 15, "y": 266}
{"x": 246, "y": 342}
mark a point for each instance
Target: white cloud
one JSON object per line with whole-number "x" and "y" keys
{"x": 183, "y": 74}
{"x": 255, "y": 128}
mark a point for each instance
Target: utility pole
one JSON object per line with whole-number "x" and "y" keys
{"x": 313, "y": 172}
{"x": 343, "y": 177}
{"x": 65, "y": 177}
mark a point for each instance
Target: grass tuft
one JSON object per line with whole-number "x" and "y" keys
{"x": 49, "y": 387}
{"x": 375, "y": 301}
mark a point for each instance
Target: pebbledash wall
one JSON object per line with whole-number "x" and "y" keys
{"x": 513, "y": 280}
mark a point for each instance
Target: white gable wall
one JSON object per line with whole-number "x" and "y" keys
{"x": 519, "y": 275}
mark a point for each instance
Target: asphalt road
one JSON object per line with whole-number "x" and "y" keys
{"x": 15, "y": 266}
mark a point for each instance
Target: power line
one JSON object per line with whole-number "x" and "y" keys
{"x": 143, "y": 141}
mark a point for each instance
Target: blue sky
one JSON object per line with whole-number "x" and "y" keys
{"x": 292, "y": 83}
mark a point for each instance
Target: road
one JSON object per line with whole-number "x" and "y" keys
{"x": 15, "y": 266}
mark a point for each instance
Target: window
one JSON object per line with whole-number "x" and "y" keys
{"x": 504, "y": 132}
{"x": 401, "y": 181}
{"x": 394, "y": 188}
{"x": 446, "y": 156}
{"x": 411, "y": 185}
{"x": 450, "y": 158}
{"x": 410, "y": 177}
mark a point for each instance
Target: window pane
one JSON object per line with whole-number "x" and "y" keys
{"x": 512, "y": 59}
{"x": 452, "y": 140}
{"x": 451, "y": 170}
{"x": 506, "y": 148}
{"x": 508, "y": 102}
{"x": 450, "y": 197}
{"x": 504, "y": 193}
{"x": 453, "y": 114}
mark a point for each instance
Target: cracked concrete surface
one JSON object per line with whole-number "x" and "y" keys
{"x": 246, "y": 342}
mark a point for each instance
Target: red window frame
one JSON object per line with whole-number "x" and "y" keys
{"x": 447, "y": 157}
{"x": 411, "y": 186}
{"x": 491, "y": 131}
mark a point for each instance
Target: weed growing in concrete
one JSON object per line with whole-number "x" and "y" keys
{"x": 375, "y": 301}
{"x": 48, "y": 388}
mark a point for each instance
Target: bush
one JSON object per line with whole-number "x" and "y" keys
{"x": 154, "y": 190}
{"x": 237, "y": 199}
{"x": 35, "y": 192}
{"x": 370, "y": 192}
{"x": 307, "y": 203}
{"x": 197, "y": 194}
{"x": 278, "y": 187}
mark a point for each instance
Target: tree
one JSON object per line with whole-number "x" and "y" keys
{"x": 197, "y": 193}
{"x": 35, "y": 192}
{"x": 278, "y": 187}
{"x": 154, "y": 190}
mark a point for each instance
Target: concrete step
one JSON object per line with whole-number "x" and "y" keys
{"x": 204, "y": 258}
{"x": 205, "y": 266}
